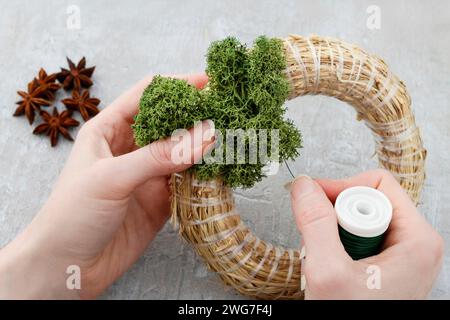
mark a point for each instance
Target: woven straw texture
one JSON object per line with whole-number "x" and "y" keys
{"x": 205, "y": 210}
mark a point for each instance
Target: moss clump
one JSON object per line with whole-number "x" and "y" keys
{"x": 246, "y": 90}
{"x": 166, "y": 104}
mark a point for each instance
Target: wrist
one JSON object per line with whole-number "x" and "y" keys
{"x": 29, "y": 271}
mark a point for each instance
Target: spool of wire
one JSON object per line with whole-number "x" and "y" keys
{"x": 364, "y": 215}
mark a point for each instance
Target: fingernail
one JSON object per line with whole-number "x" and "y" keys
{"x": 302, "y": 268}
{"x": 302, "y": 282}
{"x": 303, "y": 252}
{"x": 302, "y": 186}
{"x": 201, "y": 140}
{"x": 208, "y": 130}
{"x": 288, "y": 186}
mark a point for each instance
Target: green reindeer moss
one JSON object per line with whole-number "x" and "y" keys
{"x": 246, "y": 90}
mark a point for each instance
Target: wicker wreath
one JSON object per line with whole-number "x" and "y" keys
{"x": 205, "y": 210}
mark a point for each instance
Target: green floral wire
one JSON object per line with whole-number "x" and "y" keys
{"x": 360, "y": 247}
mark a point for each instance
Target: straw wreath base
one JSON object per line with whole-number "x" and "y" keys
{"x": 205, "y": 210}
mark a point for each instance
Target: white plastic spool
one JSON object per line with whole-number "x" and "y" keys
{"x": 363, "y": 211}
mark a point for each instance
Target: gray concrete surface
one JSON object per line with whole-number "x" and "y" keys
{"x": 129, "y": 39}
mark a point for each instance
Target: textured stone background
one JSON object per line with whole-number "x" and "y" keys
{"x": 127, "y": 40}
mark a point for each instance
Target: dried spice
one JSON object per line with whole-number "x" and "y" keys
{"x": 48, "y": 83}
{"x": 42, "y": 91}
{"x": 77, "y": 76}
{"x": 32, "y": 101}
{"x": 83, "y": 103}
{"x": 56, "y": 124}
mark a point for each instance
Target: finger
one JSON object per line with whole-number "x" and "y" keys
{"x": 378, "y": 179}
{"x": 163, "y": 157}
{"x": 334, "y": 187}
{"x": 316, "y": 220}
{"x": 126, "y": 106}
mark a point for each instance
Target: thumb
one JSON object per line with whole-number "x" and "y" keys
{"x": 316, "y": 219}
{"x": 160, "y": 158}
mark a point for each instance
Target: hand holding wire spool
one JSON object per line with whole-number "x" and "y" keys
{"x": 409, "y": 246}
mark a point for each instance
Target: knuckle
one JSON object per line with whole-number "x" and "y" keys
{"x": 437, "y": 248}
{"x": 86, "y": 129}
{"x": 333, "y": 277}
{"x": 312, "y": 211}
{"x": 429, "y": 250}
{"x": 99, "y": 174}
{"x": 97, "y": 170}
{"x": 160, "y": 152}
{"x": 384, "y": 173}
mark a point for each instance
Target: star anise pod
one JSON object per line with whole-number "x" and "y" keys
{"x": 31, "y": 101}
{"x": 77, "y": 76}
{"x": 48, "y": 83}
{"x": 56, "y": 124}
{"x": 83, "y": 103}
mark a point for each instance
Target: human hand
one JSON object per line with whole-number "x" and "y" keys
{"x": 411, "y": 256}
{"x": 106, "y": 207}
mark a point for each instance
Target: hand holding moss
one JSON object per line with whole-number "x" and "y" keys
{"x": 106, "y": 207}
